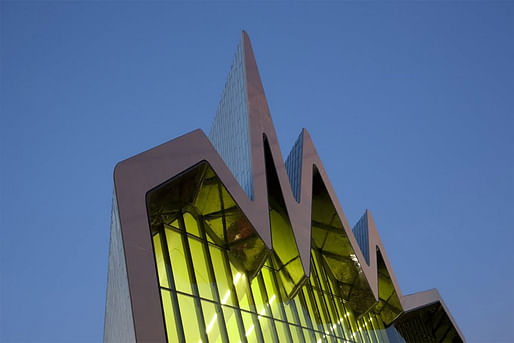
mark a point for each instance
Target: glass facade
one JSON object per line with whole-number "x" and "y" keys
{"x": 219, "y": 283}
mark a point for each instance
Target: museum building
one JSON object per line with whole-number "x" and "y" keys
{"x": 217, "y": 239}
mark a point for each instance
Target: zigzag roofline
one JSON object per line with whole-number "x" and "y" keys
{"x": 136, "y": 176}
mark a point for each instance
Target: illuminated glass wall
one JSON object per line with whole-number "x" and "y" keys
{"x": 205, "y": 298}
{"x": 213, "y": 287}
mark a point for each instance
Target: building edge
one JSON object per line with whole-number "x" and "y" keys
{"x": 118, "y": 322}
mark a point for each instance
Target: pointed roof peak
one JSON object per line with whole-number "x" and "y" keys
{"x": 369, "y": 215}
{"x": 245, "y": 40}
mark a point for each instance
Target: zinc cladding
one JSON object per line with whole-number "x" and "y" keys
{"x": 230, "y": 130}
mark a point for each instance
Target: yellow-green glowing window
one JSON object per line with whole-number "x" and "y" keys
{"x": 160, "y": 260}
{"x": 191, "y": 224}
{"x": 283, "y": 331}
{"x": 300, "y": 311}
{"x": 213, "y": 322}
{"x": 178, "y": 261}
{"x": 201, "y": 268}
{"x": 250, "y": 331}
{"x": 309, "y": 336}
{"x": 189, "y": 314}
{"x": 273, "y": 294}
{"x": 312, "y": 310}
{"x": 220, "y": 265}
{"x": 296, "y": 333}
{"x": 258, "y": 297}
{"x": 241, "y": 286}
{"x": 169, "y": 317}
{"x": 268, "y": 330}
{"x": 233, "y": 324}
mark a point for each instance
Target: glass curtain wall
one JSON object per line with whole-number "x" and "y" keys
{"x": 206, "y": 299}
{"x": 207, "y": 296}
{"x": 219, "y": 283}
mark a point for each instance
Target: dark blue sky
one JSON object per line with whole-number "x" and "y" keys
{"x": 410, "y": 106}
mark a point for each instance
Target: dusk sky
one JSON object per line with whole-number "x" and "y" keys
{"x": 410, "y": 106}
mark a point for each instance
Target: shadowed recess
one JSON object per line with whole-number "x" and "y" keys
{"x": 286, "y": 254}
{"x": 429, "y": 324}
{"x": 388, "y": 306}
{"x": 331, "y": 241}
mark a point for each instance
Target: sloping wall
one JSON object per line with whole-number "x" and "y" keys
{"x": 119, "y": 324}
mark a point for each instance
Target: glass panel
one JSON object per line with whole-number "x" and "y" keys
{"x": 309, "y": 336}
{"x": 311, "y": 309}
{"x": 160, "y": 261}
{"x": 222, "y": 275}
{"x": 302, "y": 313}
{"x": 273, "y": 294}
{"x": 333, "y": 315}
{"x": 228, "y": 227}
{"x": 212, "y": 322}
{"x": 268, "y": 330}
{"x": 291, "y": 272}
{"x": 296, "y": 333}
{"x": 319, "y": 272}
{"x": 178, "y": 261}
{"x": 232, "y": 324}
{"x": 250, "y": 333}
{"x": 175, "y": 224}
{"x": 169, "y": 317}
{"x": 341, "y": 323}
{"x": 191, "y": 224}
{"x": 259, "y": 297}
{"x": 283, "y": 331}
{"x": 200, "y": 268}
{"x": 214, "y": 230}
{"x": 344, "y": 315}
{"x": 188, "y": 312}
{"x": 320, "y": 337}
{"x": 241, "y": 285}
